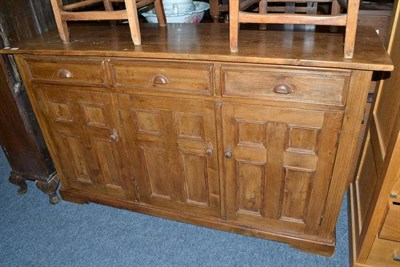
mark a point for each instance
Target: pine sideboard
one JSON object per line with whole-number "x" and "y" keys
{"x": 259, "y": 142}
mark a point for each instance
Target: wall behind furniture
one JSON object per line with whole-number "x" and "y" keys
{"x": 22, "y": 19}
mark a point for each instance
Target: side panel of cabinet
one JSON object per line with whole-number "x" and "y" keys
{"x": 172, "y": 145}
{"x": 280, "y": 166}
{"x": 365, "y": 184}
{"x": 84, "y": 130}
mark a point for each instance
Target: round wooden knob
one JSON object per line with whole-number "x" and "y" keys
{"x": 228, "y": 154}
{"x": 209, "y": 151}
{"x": 283, "y": 88}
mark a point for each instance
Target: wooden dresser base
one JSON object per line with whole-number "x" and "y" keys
{"x": 258, "y": 143}
{"x": 303, "y": 244}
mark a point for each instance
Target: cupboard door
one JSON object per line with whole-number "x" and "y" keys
{"x": 85, "y": 136}
{"x": 172, "y": 145}
{"x": 278, "y": 164}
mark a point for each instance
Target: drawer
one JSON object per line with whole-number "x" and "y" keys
{"x": 192, "y": 78}
{"x": 288, "y": 84}
{"x": 65, "y": 70}
{"x": 391, "y": 226}
{"x": 384, "y": 253}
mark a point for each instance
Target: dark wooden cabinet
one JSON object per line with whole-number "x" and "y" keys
{"x": 20, "y": 136}
{"x": 259, "y": 143}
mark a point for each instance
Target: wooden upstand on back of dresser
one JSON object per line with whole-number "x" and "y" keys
{"x": 259, "y": 143}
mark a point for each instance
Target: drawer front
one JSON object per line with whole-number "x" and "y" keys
{"x": 312, "y": 86}
{"x": 63, "y": 70}
{"x": 192, "y": 78}
{"x": 391, "y": 226}
{"x": 384, "y": 253}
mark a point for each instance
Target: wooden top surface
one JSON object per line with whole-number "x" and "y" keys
{"x": 210, "y": 41}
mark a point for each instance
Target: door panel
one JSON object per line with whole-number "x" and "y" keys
{"x": 379, "y": 167}
{"x": 154, "y": 164}
{"x": 281, "y": 164}
{"x": 196, "y": 179}
{"x": 77, "y": 163}
{"x": 84, "y": 128}
{"x": 365, "y": 183}
{"x": 171, "y": 147}
{"x": 387, "y": 105}
{"x": 296, "y": 190}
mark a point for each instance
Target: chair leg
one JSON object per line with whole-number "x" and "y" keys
{"x": 160, "y": 13}
{"x": 233, "y": 25}
{"x": 133, "y": 21}
{"x": 108, "y": 7}
{"x": 335, "y": 10}
{"x": 61, "y": 24}
{"x": 214, "y": 10}
{"x": 351, "y": 27}
{"x": 262, "y": 9}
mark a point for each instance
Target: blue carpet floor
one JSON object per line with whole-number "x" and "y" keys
{"x": 35, "y": 233}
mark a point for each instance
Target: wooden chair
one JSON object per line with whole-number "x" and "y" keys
{"x": 64, "y": 13}
{"x": 348, "y": 20}
{"x": 216, "y": 7}
{"x": 278, "y": 6}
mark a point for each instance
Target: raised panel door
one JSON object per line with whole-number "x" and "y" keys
{"x": 376, "y": 218}
{"x": 172, "y": 148}
{"x": 85, "y": 135}
{"x": 278, "y": 164}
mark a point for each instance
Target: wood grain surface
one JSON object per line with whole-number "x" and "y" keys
{"x": 211, "y": 42}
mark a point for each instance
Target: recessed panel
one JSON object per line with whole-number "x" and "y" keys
{"x": 294, "y": 159}
{"x": 95, "y": 115}
{"x": 296, "y": 195}
{"x": 250, "y": 182}
{"x": 157, "y": 172}
{"x": 61, "y": 111}
{"x": 108, "y": 163}
{"x": 148, "y": 122}
{"x": 75, "y": 146}
{"x": 252, "y": 134}
{"x": 190, "y": 126}
{"x": 196, "y": 180}
{"x": 366, "y": 184}
{"x": 303, "y": 138}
